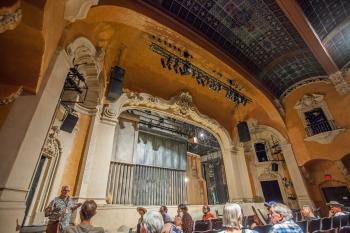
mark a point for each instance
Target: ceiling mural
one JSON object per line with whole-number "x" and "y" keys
{"x": 325, "y": 17}
{"x": 253, "y": 32}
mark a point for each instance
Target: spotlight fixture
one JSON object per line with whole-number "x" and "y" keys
{"x": 75, "y": 88}
{"x": 181, "y": 64}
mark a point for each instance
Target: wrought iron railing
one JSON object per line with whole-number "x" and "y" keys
{"x": 323, "y": 126}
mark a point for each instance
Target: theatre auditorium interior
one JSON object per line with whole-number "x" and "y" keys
{"x": 144, "y": 103}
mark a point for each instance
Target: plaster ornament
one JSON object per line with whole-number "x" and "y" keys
{"x": 10, "y": 17}
{"x": 339, "y": 82}
{"x": 52, "y": 146}
{"x": 309, "y": 100}
{"x": 10, "y": 97}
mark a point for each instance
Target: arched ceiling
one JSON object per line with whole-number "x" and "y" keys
{"x": 259, "y": 36}
{"x": 119, "y": 29}
{"x": 331, "y": 21}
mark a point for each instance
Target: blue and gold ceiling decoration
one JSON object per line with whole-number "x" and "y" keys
{"x": 255, "y": 33}
{"x": 331, "y": 22}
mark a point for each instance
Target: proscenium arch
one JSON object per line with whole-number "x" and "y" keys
{"x": 182, "y": 108}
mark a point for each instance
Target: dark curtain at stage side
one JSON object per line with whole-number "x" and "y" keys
{"x": 157, "y": 175}
{"x": 214, "y": 173}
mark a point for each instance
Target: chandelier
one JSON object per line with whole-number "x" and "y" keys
{"x": 182, "y": 66}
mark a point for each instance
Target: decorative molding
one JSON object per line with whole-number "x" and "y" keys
{"x": 309, "y": 101}
{"x": 324, "y": 137}
{"x": 78, "y": 9}
{"x": 339, "y": 82}
{"x": 52, "y": 147}
{"x": 90, "y": 62}
{"x": 11, "y": 96}
{"x": 10, "y": 17}
{"x": 180, "y": 107}
{"x": 286, "y": 93}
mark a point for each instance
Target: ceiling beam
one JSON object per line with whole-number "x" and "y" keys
{"x": 297, "y": 17}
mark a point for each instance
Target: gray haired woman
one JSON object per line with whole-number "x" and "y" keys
{"x": 232, "y": 219}
{"x": 152, "y": 222}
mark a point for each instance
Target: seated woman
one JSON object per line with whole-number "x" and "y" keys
{"x": 307, "y": 213}
{"x": 232, "y": 219}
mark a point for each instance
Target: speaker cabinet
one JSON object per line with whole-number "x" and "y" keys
{"x": 243, "y": 131}
{"x": 274, "y": 167}
{"x": 69, "y": 122}
{"x": 116, "y": 83}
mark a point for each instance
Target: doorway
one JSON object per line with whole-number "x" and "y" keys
{"x": 271, "y": 191}
{"x": 340, "y": 194}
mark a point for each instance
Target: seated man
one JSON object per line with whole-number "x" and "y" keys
{"x": 207, "y": 215}
{"x": 335, "y": 209}
{"x": 88, "y": 210}
{"x": 282, "y": 220}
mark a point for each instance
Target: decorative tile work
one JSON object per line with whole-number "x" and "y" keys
{"x": 325, "y": 16}
{"x": 254, "y": 32}
{"x": 339, "y": 47}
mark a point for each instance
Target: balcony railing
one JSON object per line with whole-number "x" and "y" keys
{"x": 323, "y": 126}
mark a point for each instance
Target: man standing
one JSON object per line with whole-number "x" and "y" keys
{"x": 282, "y": 220}
{"x": 60, "y": 211}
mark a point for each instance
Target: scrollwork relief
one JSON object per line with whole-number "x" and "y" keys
{"x": 10, "y": 17}
{"x": 52, "y": 147}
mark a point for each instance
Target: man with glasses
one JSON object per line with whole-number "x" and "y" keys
{"x": 60, "y": 211}
{"x": 282, "y": 220}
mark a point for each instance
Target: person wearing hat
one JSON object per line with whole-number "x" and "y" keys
{"x": 141, "y": 211}
{"x": 335, "y": 209}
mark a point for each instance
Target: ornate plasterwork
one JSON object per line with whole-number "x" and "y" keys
{"x": 180, "y": 107}
{"x": 339, "y": 82}
{"x": 78, "y": 9}
{"x": 11, "y": 96}
{"x": 81, "y": 51}
{"x": 322, "y": 79}
{"x": 52, "y": 147}
{"x": 10, "y": 17}
{"x": 309, "y": 101}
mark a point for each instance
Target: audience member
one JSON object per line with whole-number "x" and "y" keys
{"x": 268, "y": 206}
{"x": 164, "y": 212}
{"x": 282, "y": 220}
{"x": 307, "y": 213}
{"x": 60, "y": 211}
{"x": 207, "y": 215}
{"x": 178, "y": 222}
{"x": 88, "y": 210}
{"x": 256, "y": 222}
{"x": 152, "y": 222}
{"x": 187, "y": 222}
{"x": 232, "y": 219}
{"x": 142, "y": 212}
{"x": 335, "y": 209}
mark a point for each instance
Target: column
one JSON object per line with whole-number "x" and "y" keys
{"x": 95, "y": 168}
{"x": 237, "y": 176}
{"x": 295, "y": 174}
{"x": 22, "y": 136}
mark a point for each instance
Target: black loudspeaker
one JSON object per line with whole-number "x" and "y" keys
{"x": 274, "y": 167}
{"x": 69, "y": 122}
{"x": 243, "y": 131}
{"x": 116, "y": 83}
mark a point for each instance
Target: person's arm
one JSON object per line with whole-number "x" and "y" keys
{"x": 77, "y": 206}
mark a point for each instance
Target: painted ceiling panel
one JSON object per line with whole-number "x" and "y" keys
{"x": 253, "y": 32}
{"x": 331, "y": 21}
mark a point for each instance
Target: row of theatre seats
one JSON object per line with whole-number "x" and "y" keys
{"x": 339, "y": 224}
